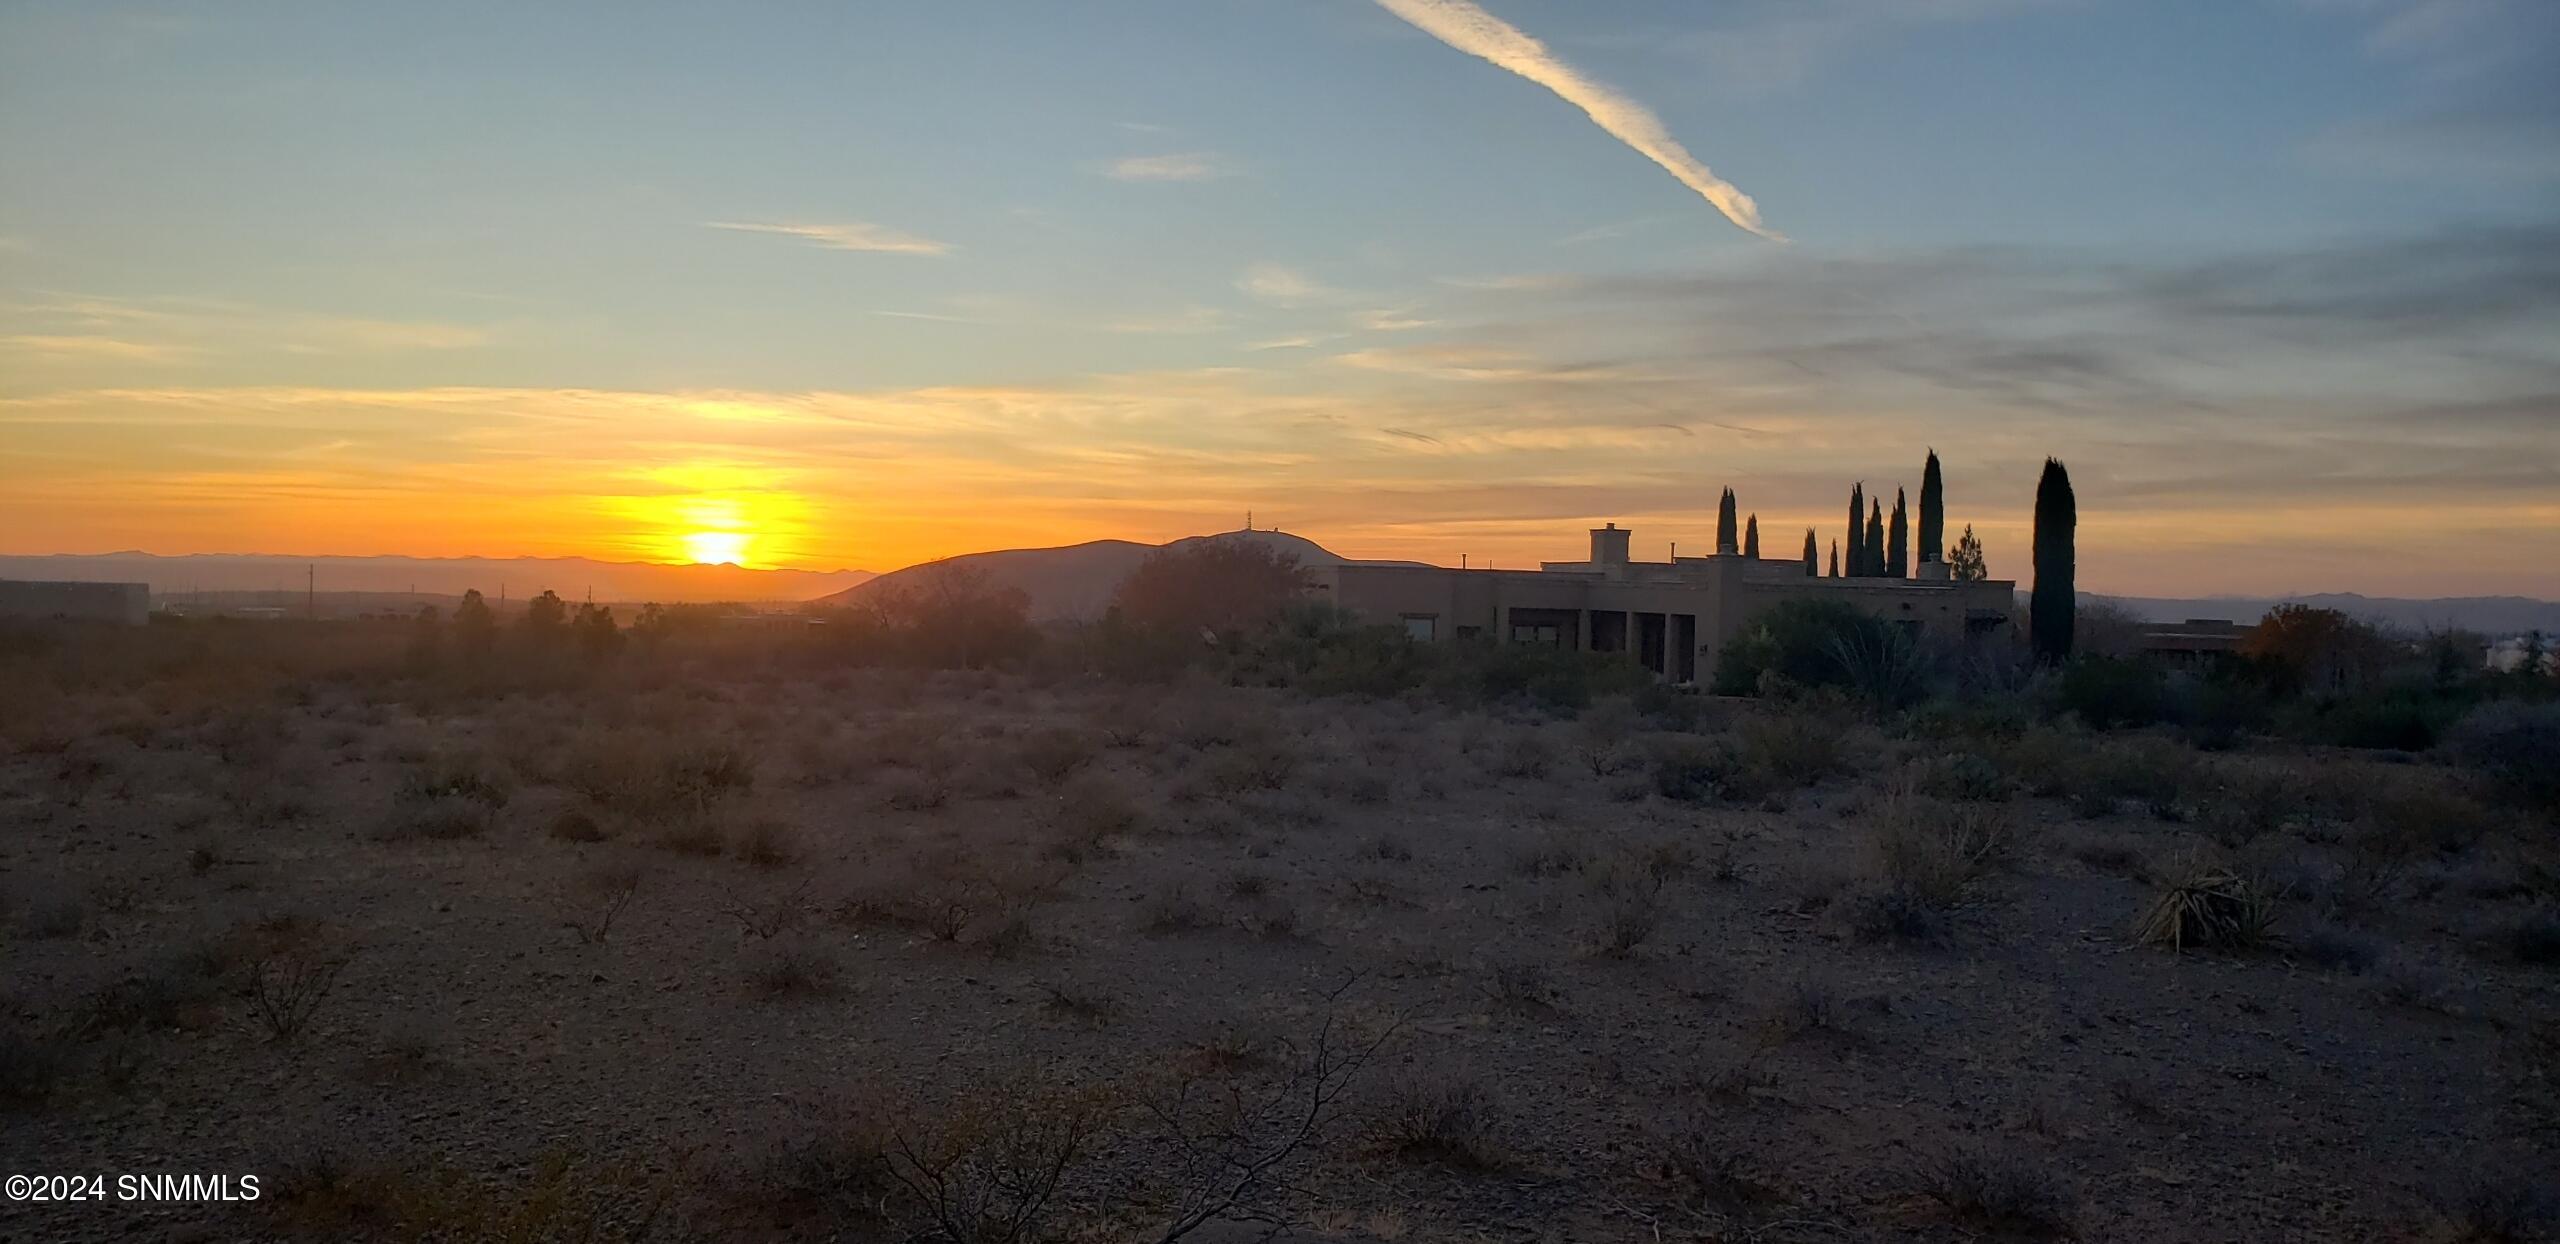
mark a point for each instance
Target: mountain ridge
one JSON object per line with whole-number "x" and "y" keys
{"x": 1075, "y": 582}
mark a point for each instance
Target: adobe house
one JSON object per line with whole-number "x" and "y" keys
{"x": 1673, "y": 616}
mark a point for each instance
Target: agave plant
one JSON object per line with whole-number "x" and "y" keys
{"x": 2213, "y": 907}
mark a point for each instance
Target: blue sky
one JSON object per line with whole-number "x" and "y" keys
{"x": 889, "y": 281}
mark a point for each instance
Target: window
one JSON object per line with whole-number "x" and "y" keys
{"x": 1421, "y": 627}
{"x": 1545, "y": 636}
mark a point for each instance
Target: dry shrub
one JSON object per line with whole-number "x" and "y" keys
{"x": 1523, "y": 752}
{"x": 1265, "y": 762}
{"x": 446, "y": 818}
{"x": 917, "y": 792}
{"x": 1792, "y": 749}
{"x": 1436, "y": 1119}
{"x": 1686, "y": 1153}
{"x": 690, "y": 832}
{"x": 768, "y": 916}
{"x": 577, "y": 825}
{"x": 1053, "y": 756}
{"x": 455, "y": 775}
{"x": 1096, "y": 806}
{"x": 793, "y": 969}
{"x": 1522, "y": 989}
{"x": 589, "y": 905}
{"x": 563, "y": 1196}
{"x": 767, "y": 843}
{"x": 1628, "y": 921}
{"x": 2251, "y": 801}
{"x": 1079, "y": 1004}
{"x": 2004, "y": 1192}
{"x": 2495, "y": 1206}
{"x": 2210, "y": 907}
{"x": 995, "y": 1162}
{"x": 288, "y": 983}
{"x": 1173, "y": 910}
{"x": 652, "y": 774}
{"x": 1933, "y": 851}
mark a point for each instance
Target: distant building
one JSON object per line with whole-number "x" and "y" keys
{"x": 129, "y": 603}
{"x": 1673, "y": 617}
{"x": 2196, "y": 641}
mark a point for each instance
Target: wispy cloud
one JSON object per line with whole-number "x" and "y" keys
{"x": 117, "y": 349}
{"x": 1177, "y": 166}
{"x": 1187, "y": 320}
{"x": 1282, "y": 285}
{"x": 849, "y": 236}
{"x": 1470, "y": 29}
{"x": 1392, "y": 321}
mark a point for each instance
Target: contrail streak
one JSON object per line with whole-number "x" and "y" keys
{"x": 1464, "y": 26}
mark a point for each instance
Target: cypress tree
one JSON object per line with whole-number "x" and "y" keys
{"x": 1835, "y": 559}
{"x": 1875, "y": 538}
{"x": 1933, "y": 513}
{"x": 1812, "y": 556}
{"x": 1751, "y": 537}
{"x": 1724, "y": 524}
{"x": 2051, "y": 602}
{"x": 1897, "y": 553}
{"x": 1857, "y": 529}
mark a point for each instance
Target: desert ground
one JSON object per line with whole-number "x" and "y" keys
{"x": 774, "y": 953}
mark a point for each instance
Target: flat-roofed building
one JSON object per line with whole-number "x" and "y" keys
{"x": 129, "y": 603}
{"x": 1674, "y": 617}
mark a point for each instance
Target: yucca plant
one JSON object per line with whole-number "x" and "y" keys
{"x": 2214, "y": 908}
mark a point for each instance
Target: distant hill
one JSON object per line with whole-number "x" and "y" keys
{"x": 1077, "y": 582}
{"x": 573, "y": 577}
{"x": 2488, "y": 615}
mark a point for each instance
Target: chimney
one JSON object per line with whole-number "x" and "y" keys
{"x": 1609, "y": 545}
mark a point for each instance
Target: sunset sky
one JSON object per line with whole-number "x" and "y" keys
{"x": 857, "y": 285}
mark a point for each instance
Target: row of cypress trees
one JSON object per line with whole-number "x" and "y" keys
{"x": 1881, "y": 548}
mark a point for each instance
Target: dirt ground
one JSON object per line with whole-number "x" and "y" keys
{"x": 440, "y": 969}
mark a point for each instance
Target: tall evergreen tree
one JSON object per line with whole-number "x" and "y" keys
{"x": 2051, "y": 603}
{"x": 1812, "y": 556}
{"x": 1724, "y": 524}
{"x": 1835, "y": 559}
{"x": 1967, "y": 565}
{"x": 1875, "y": 537}
{"x": 1751, "y": 537}
{"x": 1857, "y": 529}
{"x": 1897, "y": 552}
{"x": 1933, "y": 513}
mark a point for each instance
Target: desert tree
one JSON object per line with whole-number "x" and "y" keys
{"x": 1812, "y": 556}
{"x": 951, "y": 615}
{"x": 1751, "y": 537}
{"x": 1724, "y": 524}
{"x": 544, "y": 616}
{"x": 474, "y": 626}
{"x": 1897, "y": 554}
{"x": 1933, "y": 512}
{"x": 2050, "y": 604}
{"x": 1223, "y": 587}
{"x": 598, "y": 637}
{"x": 1967, "y": 565}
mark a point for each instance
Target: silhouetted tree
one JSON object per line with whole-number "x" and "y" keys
{"x": 2301, "y": 648}
{"x": 1933, "y": 512}
{"x": 2050, "y": 606}
{"x": 1967, "y": 566}
{"x": 1897, "y": 553}
{"x": 1221, "y": 586}
{"x": 1751, "y": 537}
{"x": 1724, "y": 524}
{"x": 1875, "y": 538}
{"x": 544, "y": 615}
{"x": 951, "y": 616}
{"x": 474, "y": 627}
{"x": 1812, "y": 556}
{"x": 1857, "y": 530}
{"x": 598, "y": 637}
{"x": 426, "y": 640}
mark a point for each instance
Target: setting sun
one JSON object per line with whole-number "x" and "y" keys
{"x": 713, "y": 547}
